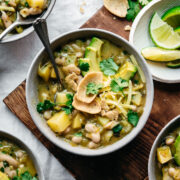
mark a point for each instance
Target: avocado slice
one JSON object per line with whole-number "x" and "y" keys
{"x": 126, "y": 71}
{"x": 177, "y": 147}
{"x": 174, "y": 64}
{"x": 110, "y": 50}
{"x": 84, "y": 60}
{"x": 93, "y": 54}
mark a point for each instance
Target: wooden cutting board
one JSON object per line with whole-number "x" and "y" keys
{"x": 129, "y": 163}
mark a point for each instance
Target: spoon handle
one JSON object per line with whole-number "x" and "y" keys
{"x": 40, "y": 27}
{"x": 8, "y": 30}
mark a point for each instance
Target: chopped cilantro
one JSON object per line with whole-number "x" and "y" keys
{"x": 84, "y": 66}
{"x": 133, "y": 117}
{"x": 117, "y": 129}
{"x": 109, "y": 67}
{"x": 41, "y": 107}
{"x": 24, "y": 176}
{"x": 133, "y": 10}
{"x": 78, "y": 134}
{"x": 68, "y": 108}
{"x": 118, "y": 84}
{"x": 2, "y": 169}
{"x": 5, "y": 164}
{"x": 26, "y": 4}
{"x": 7, "y": 2}
{"x": 93, "y": 88}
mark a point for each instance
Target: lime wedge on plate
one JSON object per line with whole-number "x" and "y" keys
{"x": 159, "y": 54}
{"x": 163, "y": 34}
{"x": 177, "y": 30}
{"x": 172, "y": 17}
{"x": 174, "y": 64}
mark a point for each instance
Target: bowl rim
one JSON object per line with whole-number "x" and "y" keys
{"x": 117, "y": 145}
{"x": 155, "y": 143}
{"x": 17, "y": 141}
{"x": 29, "y": 30}
{"x": 132, "y": 32}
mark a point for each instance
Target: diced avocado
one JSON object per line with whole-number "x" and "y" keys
{"x": 45, "y": 71}
{"x": 126, "y": 71}
{"x": 177, "y": 147}
{"x": 3, "y": 176}
{"x": 61, "y": 98}
{"x": 164, "y": 154}
{"x": 109, "y": 50}
{"x": 59, "y": 122}
{"x": 136, "y": 99}
{"x": 97, "y": 44}
{"x": 93, "y": 53}
{"x": 103, "y": 121}
{"x": 165, "y": 174}
{"x": 78, "y": 121}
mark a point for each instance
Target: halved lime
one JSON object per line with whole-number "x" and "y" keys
{"x": 177, "y": 30}
{"x": 172, "y": 17}
{"x": 159, "y": 54}
{"x": 163, "y": 34}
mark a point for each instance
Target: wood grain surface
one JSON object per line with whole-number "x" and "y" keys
{"x": 129, "y": 163}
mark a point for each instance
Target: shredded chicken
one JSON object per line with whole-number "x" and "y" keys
{"x": 104, "y": 105}
{"x": 73, "y": 80}
{"x": 112, "y": 115}
{"x": 71, "y": 69}
{"x": 12, "y": 3}
{"x": 6, "y": 19}
{"x": 60, "y": 61}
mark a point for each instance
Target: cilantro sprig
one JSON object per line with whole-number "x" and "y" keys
{"x": 93, "y": 88}
{"x": 46, "y": 105}
{"x": 68, "y": 108}
{"x": 109, "y": 67}
{"x": 133, "y": 10}
{"x": 133, "y": 117}
{"x": 25, "y": 176}
{"x": 118, "y": 84}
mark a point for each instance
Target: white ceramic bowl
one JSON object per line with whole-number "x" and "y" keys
{"x": 32, "y": 95}
{"x": 30, "y": 29}
{"x": 22, "y": 145}
{"x": 140, "y": 38}
{"x": 153, "y": 172}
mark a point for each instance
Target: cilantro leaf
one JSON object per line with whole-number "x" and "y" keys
{"x": 93, "y": 88}
{"x": 109, "y": 67}
{"x": 24, "y": 176}
{"x": 68, "y": 108}
{"x": 78, "y": 134}
{"x": 133, "y": 10}
{"x": 41, "y": 107}
{"x": 117, "y": 129}
{"x": 133, "y": 117}
{"x": 5, "y": 164}
{"x": 2, "y": 169}
{"x": 118, "y": 84}
{"x": 26, "y": 4}
{"x": 84, "y": 66}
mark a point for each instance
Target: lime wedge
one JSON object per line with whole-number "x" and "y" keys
{"x": 177, "y": 30}
{"x": 162, "y": 34}
{"x": 173, "y": 64}
{"x": 159, "y": 54}
{"x": 172, "y": 16}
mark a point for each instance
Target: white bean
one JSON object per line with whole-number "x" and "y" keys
{"x": 170, "y": 140}
{"x": 77, "y": 139}
{"x": 92, "y": 145}
{"x": 47, "y": 114}
{"x": 90, "y": 128}
{"x": 19, "y": 154}
{"x": 95, "y": 137}
{"x": 171, "y": 171}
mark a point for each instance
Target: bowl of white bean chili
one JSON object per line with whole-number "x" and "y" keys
{"x": 164, "y": 159}
{"x": 105, "y": 97}
{"x": 26, "y": 9}
{"x": 17, "y": 161}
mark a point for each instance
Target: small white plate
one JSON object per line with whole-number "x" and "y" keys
{"x": 140, "y": 38}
